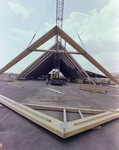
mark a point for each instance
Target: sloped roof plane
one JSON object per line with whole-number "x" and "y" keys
{"x": 54, "y": 31}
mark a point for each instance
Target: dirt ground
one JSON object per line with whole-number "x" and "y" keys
{"x": 19, "y": 133}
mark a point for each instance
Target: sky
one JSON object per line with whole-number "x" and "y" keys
{"x": 95, "y": 21}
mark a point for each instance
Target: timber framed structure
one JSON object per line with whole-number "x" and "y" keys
{"x": 54, "y": 31}
{"x": 63, "y": 128}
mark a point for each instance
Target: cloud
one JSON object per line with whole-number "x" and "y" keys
{"x": 99, "y": 32}
{"x": 97, "y": 27}
{"x": 18, "y": 9}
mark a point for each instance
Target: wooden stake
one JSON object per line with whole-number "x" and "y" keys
{"x": 0, "y": 146}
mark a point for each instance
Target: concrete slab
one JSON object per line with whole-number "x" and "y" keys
{"x": 16, "y": 132}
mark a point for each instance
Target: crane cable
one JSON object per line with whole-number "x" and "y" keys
{"x": 41, "y": 24}
{"x": 75, "y": 30}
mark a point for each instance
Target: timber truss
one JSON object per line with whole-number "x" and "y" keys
{"x": 63, "y": 128}
{"x": 57, "y": 31}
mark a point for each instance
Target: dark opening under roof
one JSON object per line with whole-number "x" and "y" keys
{"x": 69, "y": 67}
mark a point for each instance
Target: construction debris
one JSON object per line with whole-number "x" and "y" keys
{"x": 93, "y": 88}
{"x": 13, "y": 84}
{"x": 115, "y": 95}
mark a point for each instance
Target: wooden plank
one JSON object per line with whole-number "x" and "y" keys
{"x": 54, "y": 51}
{"x": 84, "y": 120}
{"x": 26, "y": 52}
{"x": 69, "y": 109}
{"x": 78, "y": 65}
{"x": 13, "y": 84}
{"x": 35, "y": 116}
{"x": 0, "y": 146}
{"x": 89, "y": 124}
{"x": 55, "y": 91}
{"x": 115, "y": 95}
{"x": 33, "y": 65}
{"x": 80, "y": 114}
{"x": 69, "y": 40}
{"x": 61, "y": 100}
{"x": 36, "y": 64}
{"x": 93, "y": 88}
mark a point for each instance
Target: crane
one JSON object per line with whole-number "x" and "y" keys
{"x": 59, "y": 22}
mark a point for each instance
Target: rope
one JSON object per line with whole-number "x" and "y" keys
{"x": 41, "y": 23}
{"x": 75, "y": 30}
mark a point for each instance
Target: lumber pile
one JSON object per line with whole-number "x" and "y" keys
{"x": 13, "y": 84}
{"x": 93, "y": 88}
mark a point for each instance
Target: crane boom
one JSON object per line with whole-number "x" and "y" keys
{"x": 59, "y": 13}
{"x": 59, "y": 16}
{"x": 59, "y": 22}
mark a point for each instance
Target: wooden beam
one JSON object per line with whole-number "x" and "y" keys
{"x": 79, "y": 66}
{"x": 60, "y": 100}
{"x": 93, "y": 88}
{"x": 25, "y": 72}
{"x": 80, "y": 114}
{"x": 87, "y": 123}
{"x": 26, "y": 52}
{"x": 115, "y": 95}
{"x": 69, "y": 40}
{"x": 39, "y": 118}
{"x": 69, "y": 109}
{"x": 54, "y": 125}
{"x": 54, "y": 51}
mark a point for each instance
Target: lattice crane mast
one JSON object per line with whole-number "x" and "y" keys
{"x": 59, "y": 22}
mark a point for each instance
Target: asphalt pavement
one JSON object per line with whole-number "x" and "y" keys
{"x": 19, "y": 133}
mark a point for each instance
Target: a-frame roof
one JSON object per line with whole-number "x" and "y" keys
{"x": 69, "y": 40}
{"x": 69, "y": 67}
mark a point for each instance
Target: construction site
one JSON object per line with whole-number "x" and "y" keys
{"x": 54, "y": 103}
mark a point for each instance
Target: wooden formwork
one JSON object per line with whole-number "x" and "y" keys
{"x": 93, "y": 88}
{"x": 63, "y": 128}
